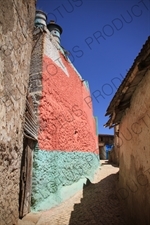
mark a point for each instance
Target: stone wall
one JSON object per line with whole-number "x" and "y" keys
{"x": 35, "y": 76}
{"x": 16, "y": 26}
{"x": 134, "y": 135}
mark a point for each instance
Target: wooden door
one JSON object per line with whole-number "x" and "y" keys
{"x": 29, "y": 142}
{"x": 26, "y": 177}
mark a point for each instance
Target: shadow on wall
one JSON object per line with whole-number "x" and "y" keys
{"x": 99, "y": 205}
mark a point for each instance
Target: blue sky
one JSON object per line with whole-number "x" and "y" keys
{"x": 104, "y": 37}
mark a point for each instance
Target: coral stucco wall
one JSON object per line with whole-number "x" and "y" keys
{"x": 67, "y": 152}
{"x": 66, "y": 120}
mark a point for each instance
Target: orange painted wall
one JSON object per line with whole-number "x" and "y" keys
{"x": 66, "y": 121}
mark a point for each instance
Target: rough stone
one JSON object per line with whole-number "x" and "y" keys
{"x": 17, "y": 19}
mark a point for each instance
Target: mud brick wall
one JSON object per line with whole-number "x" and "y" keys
{"x": 16, "y": 28}
{"x": 134, "y": 175}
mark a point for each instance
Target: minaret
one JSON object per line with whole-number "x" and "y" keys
{"x": 55, "y": 30}
{"x": 40, "y": 18}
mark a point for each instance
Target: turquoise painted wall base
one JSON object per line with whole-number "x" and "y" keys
{"x": 59, "y": 175}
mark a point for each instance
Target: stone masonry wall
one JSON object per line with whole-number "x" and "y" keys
{"x": 134, "y": 175}
{"x": 16, "y": 25}
{"x": 35, "y": 77}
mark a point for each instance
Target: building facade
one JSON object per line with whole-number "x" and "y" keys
{"x": 130, "y": 109}
{"x": 48, "y": 134}
{"x": 64, "y": 152}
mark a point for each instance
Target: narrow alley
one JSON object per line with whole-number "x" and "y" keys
{"x": 66, "y": 159}
{"x": 97, "y": 204}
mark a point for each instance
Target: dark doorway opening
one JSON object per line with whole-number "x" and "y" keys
{"x": 29, "y": 143}
{"x": 26, "y": 177}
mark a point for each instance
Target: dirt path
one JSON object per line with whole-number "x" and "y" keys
{"x": 96, "y": 204}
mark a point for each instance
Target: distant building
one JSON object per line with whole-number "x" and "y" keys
{"x": 129, "y": 113}
{"x": 105, "y": 142}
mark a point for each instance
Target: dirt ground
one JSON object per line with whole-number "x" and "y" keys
{"x": 96, "y": 204}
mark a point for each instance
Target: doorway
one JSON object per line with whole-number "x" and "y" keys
{"x": 26, "y": 177}
{"x": 29, "y": 143}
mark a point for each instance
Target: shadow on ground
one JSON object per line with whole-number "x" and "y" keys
{"x": 109, "y": 163}
{"x": 100, "y": 205}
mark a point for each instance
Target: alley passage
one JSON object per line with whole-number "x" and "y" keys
{"x": 96, "y": 204}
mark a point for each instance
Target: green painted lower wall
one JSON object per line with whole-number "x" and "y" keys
{"x": 58, "y": 175}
